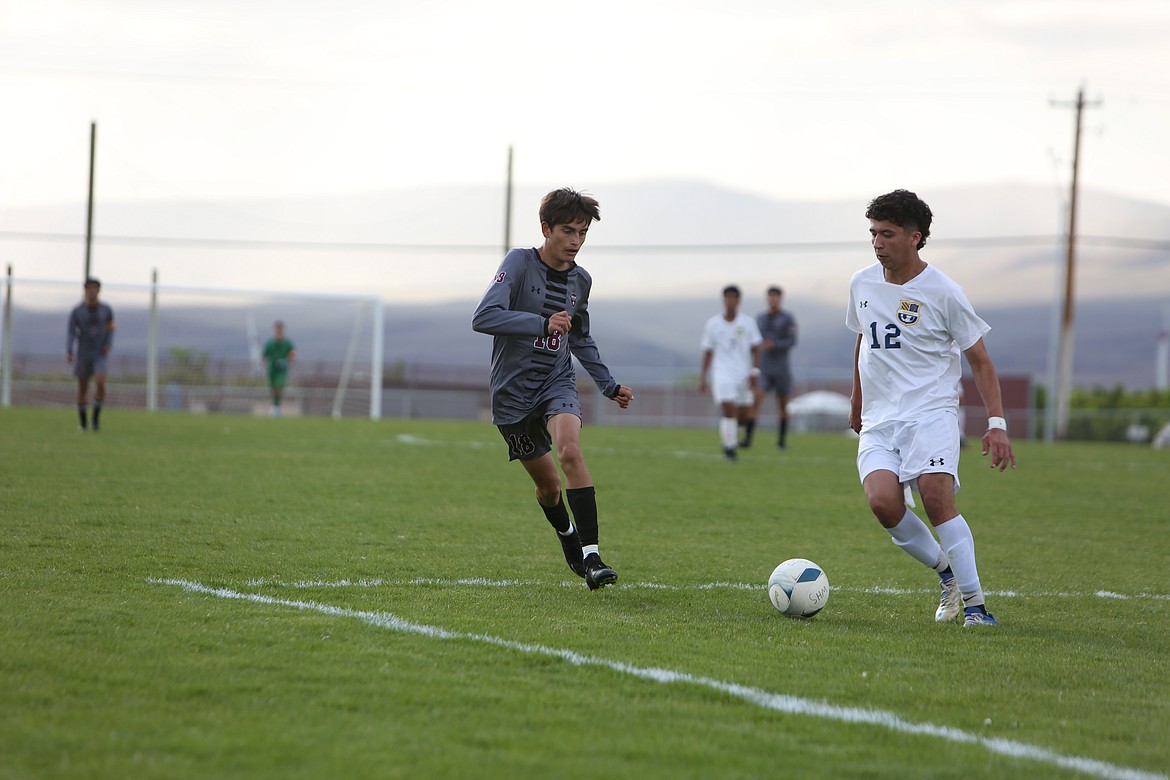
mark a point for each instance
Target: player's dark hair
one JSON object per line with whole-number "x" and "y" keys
{"x": 776, "y": 290}
{"x": 904, "y": 209}
{"x": 731, "y": 288}
{"x": 565, "y": 206}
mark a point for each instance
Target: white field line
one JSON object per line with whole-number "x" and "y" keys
{"x": 485, "y": 583}
{"x": 791, "y": 705}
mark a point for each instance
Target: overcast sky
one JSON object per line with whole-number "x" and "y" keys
{"x": 211, "y": 99}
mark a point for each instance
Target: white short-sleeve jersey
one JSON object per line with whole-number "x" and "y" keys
{"x": 731, "y": 344}
{"x": 912, "y": 339}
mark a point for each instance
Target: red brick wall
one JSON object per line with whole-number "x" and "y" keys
{"x": 1017, "y": 407}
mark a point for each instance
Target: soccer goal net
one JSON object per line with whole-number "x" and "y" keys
{"x": 197, "y": 350}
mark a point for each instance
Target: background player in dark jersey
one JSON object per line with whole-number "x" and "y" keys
{"x": 91, "y": 326}
{"x": 536, "y": 308}
{"x": 778, "y": 327}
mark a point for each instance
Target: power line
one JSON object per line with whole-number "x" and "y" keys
{"x": 971, "y": 242}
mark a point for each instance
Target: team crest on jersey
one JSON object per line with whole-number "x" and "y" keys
{"x": 909, "y": 312}
{"x": 572, "y": 299}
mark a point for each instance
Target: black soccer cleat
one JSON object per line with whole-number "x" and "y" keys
{"x": 571, "y": 544}
{"x": 730, "y": 454}
{"x": 597, "y": 574}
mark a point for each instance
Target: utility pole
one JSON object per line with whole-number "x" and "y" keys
{"x": 1064, "y": 357}
{"x": 1161, "y": 355}
{"x": 508, "y": 206}
{"x": 89, "y": 208}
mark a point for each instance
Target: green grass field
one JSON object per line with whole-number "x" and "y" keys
{"x": 213, "y": 596}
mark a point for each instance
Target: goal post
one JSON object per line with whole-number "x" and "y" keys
{"x": 198, "y": 349}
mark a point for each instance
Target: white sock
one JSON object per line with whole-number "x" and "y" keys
{"x": 959, "y": 544}
{"x": 912, "y": 535}
{"x": 728, "y": 430}
{"x": 589, "y": 549}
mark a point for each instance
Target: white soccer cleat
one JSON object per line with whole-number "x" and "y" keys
{"x": 951, "y": 602}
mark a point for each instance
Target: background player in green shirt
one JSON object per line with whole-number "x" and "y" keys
{"x": 278, "y": 353}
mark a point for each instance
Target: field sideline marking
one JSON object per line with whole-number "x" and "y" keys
{"x": 791, "y": 705}
{"x": 486, "y": 583}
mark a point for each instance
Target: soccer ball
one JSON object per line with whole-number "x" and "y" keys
{"x": 798, "y": 588}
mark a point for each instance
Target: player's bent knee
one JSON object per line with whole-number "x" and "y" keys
{"x": 570, "y": 457}
{"x": 888, "y": 511}
{"x": 548, "y": 493}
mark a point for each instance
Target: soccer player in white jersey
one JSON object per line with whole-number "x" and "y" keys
{"x": 731, "y": 345}
{"x": 536, "y": 308}
{"x": 914, "y": 326}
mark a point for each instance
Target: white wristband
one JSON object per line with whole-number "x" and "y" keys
{"x": 996, "y": 422}
{"x": 754, "y": 372}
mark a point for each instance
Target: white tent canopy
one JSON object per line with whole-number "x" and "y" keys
{"x": 819, "y": 410}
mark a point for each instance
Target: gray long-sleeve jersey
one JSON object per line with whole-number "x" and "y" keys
{"x": 527, "y": 363}
{"x": 780, "y": 328}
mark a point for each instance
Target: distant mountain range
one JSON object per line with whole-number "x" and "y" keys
{"x": 1114, "y": 342}
{"x": 643, "y": 341}
{"x": 659, "y": 258}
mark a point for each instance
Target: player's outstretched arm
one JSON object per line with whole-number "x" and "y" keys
{"x": 995, "y": 441}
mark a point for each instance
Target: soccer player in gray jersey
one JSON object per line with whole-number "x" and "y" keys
{"x": 778, "y": 327}
{"x": 536, "y": 308}
{"x": 91, "y": 326}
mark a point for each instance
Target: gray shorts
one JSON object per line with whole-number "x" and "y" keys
{"x": 85, "y": 366}
{"x": 529, "y": 438}
{"x": 779, "y": 382}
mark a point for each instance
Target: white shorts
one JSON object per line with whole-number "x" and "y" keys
{"x": 736, "y": 391}
{"x": 910, "y": 449}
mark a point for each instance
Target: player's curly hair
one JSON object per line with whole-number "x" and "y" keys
{"x": 904, "y": 209}
{"x": 565, "y": 206}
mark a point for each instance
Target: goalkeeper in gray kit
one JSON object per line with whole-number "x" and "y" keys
{"x": 536, "y": 308}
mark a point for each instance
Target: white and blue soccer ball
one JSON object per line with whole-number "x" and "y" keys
{"x": 798, "y": 588}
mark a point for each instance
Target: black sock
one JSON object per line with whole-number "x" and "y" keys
{"x": 783, "y": 430}
{"x": 558, "y": 516}
{"x": 583, "y": 502}
{"x": 81, "y": 415}
{"x": 97, "y": 409}
{"x": 749, "y": 427}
